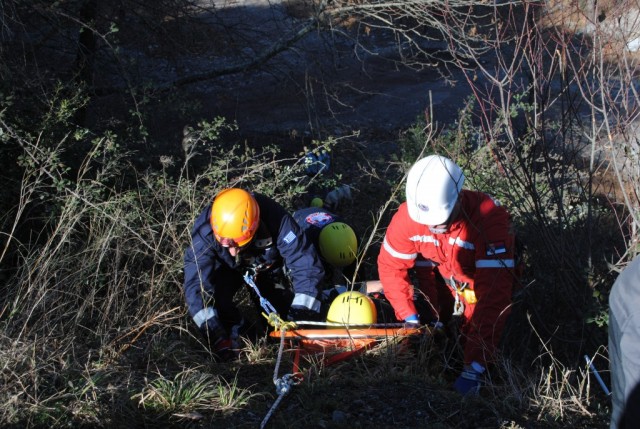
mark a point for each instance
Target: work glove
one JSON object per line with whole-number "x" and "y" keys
{"x": 412, "y": 322}
{"x": 414, "y": 340}
{"x": 438, "y": 332}
{"x": 302, "y": 314}
{"x": 470, "y": 380}
{"x": 218, "y": 340}
{"x": 436, "y": 326}
{"x": 224, "y": 350}
{"x": 328, "y": 295}
{"x": 317, "y": 161}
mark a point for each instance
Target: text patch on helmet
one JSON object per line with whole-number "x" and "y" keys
{"x": 496, "y": 248}
{"x": 289, "y": 238}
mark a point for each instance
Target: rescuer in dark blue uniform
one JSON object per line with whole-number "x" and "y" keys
{"x": 335, "y": 241}
{"x": 243, "y": 233}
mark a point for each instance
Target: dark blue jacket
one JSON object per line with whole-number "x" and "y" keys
{"x": 293, "y": 250}
{"x": 313, "y": 219}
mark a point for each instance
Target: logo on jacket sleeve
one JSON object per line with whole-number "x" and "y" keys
{"x": 289, "y": 238}
{"x": 319, "y": 219}
{"x": 496, "y": 248}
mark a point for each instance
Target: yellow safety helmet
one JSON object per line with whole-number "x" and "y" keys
{"x": 235, "y": 217}
{"x": 338, "y": 244}
{"x": 352, "y": 308}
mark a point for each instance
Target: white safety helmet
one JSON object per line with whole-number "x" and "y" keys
{"x": 433, "y": 185}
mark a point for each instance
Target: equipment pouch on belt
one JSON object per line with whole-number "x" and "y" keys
{"x": 469, "y": 296}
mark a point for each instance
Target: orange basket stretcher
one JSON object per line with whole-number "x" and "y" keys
{"x": 337, "y": 343}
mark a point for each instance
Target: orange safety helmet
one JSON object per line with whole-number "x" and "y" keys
{"x": 235, "y": 217}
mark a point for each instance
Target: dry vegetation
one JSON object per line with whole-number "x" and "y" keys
{"x": 93, "y": 329}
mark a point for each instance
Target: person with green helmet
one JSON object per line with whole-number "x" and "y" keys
{"x": 336, "y": 244}
{"x": 333, "y": 198}
{"x": 334, "y": 240}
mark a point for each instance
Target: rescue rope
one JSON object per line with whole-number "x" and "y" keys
{"x": 264, "y": 303}
{"x": 287, "y": 381}
{"x": 284, "y": 383}
{"x": 276, "y": 321}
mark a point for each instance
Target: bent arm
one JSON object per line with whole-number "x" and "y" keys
{"x": 302, "y": 261}
{"x": 397, "y": 255}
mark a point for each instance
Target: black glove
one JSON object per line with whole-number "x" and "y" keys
{"x": 328, "y": 295}
{"x": 224, "y": 351}
{"x": 218, "y": 340}
{"x": 302, "y": 314}
{"x": 213, "y": 330}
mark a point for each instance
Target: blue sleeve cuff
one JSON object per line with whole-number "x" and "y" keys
{"x": 477, "y": 367}
{"x": 412, "y": 319}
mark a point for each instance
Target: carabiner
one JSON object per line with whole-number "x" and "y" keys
{"x": 458, "y": 306}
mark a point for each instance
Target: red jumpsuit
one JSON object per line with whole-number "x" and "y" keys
{"x": 475, "y": 253}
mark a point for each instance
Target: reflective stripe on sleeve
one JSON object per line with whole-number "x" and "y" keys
{"x": 393, "y": 252}
{"x": 203, "y": 315}
{"x": 425, "y": 239}
{"x": 306, "y": 301}
{"x": 461, "y": 243}
{"x": 495, "y": 263}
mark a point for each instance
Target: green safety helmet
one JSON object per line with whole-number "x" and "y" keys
{"x": 317, "y": 202}
{"x": 338, "y": 244}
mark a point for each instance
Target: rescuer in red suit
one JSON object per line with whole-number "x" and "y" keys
{"x": 461, "y": 245}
